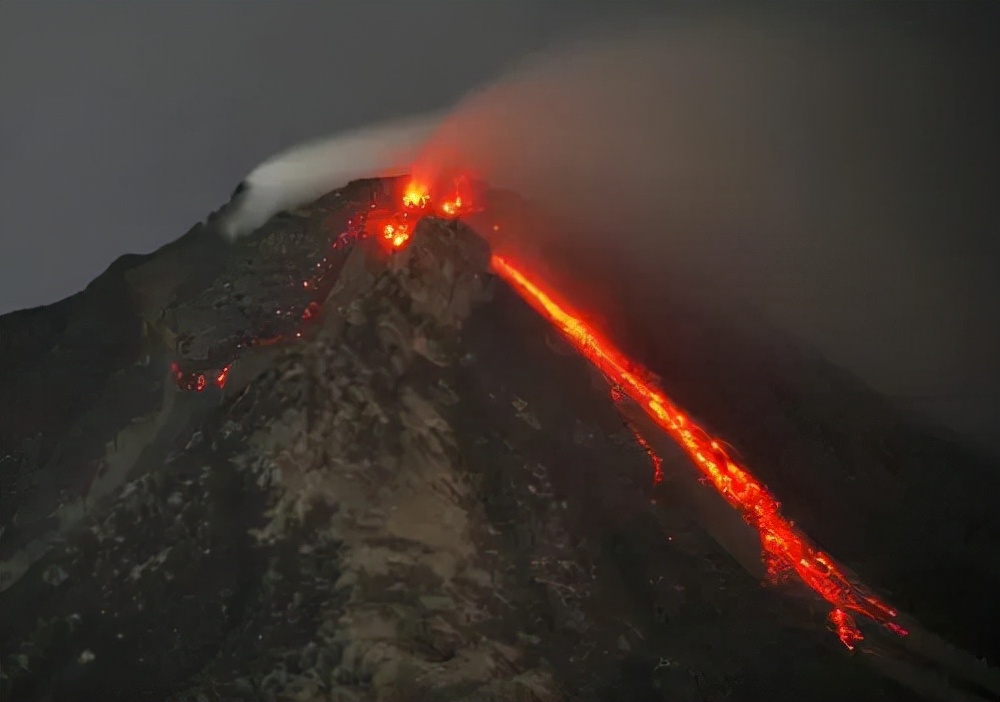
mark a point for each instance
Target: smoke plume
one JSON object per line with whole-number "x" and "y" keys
{"x": 308, "y": 171}
{"x": 838, "y": 177}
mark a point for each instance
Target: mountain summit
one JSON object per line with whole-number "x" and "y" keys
{"x": 343, "y": 459}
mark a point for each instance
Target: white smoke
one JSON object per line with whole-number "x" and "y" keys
{"x": 308, "y": 171}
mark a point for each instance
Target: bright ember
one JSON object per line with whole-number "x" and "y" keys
{"x": 457, "y": 201}
{"x": 395, "y": 227}
{"x": 197, "y": 382}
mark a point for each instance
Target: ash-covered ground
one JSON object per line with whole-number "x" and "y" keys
{"x": 408, "y": 487}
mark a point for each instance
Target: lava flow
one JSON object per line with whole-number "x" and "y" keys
{"x": 785, "y": 549}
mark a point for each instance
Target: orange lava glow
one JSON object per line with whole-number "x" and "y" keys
{"x": 456, "y": 201}
{"x": 416, "y": 196}
{"x": 396, "y": 234}
{"x": 653, "y": 456}
{"x": 194, "y": 381}
{"x": 847, "y": 630}
{"x": 786, "y": 550}
{"x": 394, "y": 228}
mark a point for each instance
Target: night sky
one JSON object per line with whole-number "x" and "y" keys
{"x": 122, "y": 124}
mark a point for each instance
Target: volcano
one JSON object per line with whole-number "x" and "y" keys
{"x": 363, "y": 454}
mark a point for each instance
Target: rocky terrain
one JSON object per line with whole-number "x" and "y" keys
{"x": 303, "y": 468}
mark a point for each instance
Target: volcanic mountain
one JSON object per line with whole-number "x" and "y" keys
{"x": 363, "y": 454}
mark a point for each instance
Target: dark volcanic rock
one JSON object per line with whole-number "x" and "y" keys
{"x": 418, "y": 494}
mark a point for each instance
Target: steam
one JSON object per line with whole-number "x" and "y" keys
{"x": 838, "y": 179}
{"x": 308, "y": 171}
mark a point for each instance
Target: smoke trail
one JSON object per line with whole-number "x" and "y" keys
{"x": 307, "y": 171}
{"x": 839, "y": 177}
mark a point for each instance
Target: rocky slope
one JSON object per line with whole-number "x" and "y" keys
{"x": 291, "y": 471}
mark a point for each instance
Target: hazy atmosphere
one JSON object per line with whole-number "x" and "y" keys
{"x": 835, "y": 171}
{"x": 710, "y": 138}
{"x": 125, "y": 122}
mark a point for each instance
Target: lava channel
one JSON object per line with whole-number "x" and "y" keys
{"x": 785, "y": 549}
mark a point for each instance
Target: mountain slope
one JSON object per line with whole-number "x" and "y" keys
{"x": 286, "y": 470}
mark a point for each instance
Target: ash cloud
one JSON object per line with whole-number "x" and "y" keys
{"x": 835, "y": 174}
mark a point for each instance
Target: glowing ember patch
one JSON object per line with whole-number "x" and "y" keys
{"x": 847, "y": 630}
{"x": 449, "y": 202}
{"x": 396, "y": 234}
{"x": 654, "y": 458}
{"x": 222, "y": 376}
{"x": 452, "y": 207}
{"x": 786, "y": 550}
{"x": 358, "y": 227}
{"x": 310, "y": 312}
{"x": 416, "y": 196}
{"x": 188, "y": 380}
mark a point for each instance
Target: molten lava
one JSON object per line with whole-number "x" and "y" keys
{"x": 785, "y": 549}
{"x": 394, "y": 227}
{"x": 416, "y": 196}
{"x": 457, "y": 200}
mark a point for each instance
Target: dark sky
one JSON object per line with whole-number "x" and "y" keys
{"x": 123, "y": 123}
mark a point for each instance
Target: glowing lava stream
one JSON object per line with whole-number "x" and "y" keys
{"x": 784, "y": 547}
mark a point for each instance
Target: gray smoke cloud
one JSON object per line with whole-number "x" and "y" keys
{"x": 838, "y": 177}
